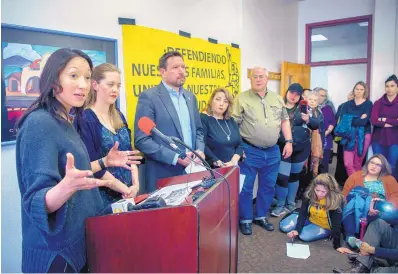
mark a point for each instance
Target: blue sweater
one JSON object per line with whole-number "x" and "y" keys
{"x": 42, "y": 144}
{"x": 357, "y": 110}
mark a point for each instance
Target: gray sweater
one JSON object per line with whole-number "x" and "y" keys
{"x": 42, "y": 145}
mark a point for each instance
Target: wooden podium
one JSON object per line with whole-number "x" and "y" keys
{"x": 198, "y": 236}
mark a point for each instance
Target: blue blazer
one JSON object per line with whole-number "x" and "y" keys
{"x": 156, "y": 104}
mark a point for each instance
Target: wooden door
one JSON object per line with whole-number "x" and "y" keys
{"x": 294, "y": 73}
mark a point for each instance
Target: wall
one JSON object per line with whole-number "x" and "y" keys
{"x": 396, "y": 41}
{"x": 268, "y": 36}
{"x": 383, "y": 45}
{"x": 202, "y": 18}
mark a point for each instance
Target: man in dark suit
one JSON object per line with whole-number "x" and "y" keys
{"x": 175, "y": 113}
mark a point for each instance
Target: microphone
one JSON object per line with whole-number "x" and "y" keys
{"x": 304, "y": 106}
{"x": 122, "y": 205}
{"x": 147, "y": 126}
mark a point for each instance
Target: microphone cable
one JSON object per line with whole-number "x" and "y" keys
{"x": 212, "y": 171}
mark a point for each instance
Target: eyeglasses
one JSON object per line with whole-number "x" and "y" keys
{"x": 258, "y": 76}
{"x": 376, "y": 164}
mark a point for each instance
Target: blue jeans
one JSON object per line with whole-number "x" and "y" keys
{"x": 310, "y": 232}
{"x": 390, "y": 152}
{"x": 349, "y": 223}
{"x": 265, "y": 163}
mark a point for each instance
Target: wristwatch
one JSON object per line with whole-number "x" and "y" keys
{"x": 289, "y": 141}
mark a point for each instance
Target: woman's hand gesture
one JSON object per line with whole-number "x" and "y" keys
{"x": 116, "y": 158}
{"x": 77, "y": 179}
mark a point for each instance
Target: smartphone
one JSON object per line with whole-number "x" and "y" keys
{"x": 304, "y": 106}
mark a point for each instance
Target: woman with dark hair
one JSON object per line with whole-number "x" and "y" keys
{"x": 376, "y": 178}
{"x": 54, "y": 170}
{"x": 385, "y": 124}
{"x": 222, "y": 137}
{"x": 354, "y": 127}
{"x": 101, "y": 125}
{"x": 301, "y": 123}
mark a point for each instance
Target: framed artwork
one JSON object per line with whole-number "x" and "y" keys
{"x": 25, "y": 51}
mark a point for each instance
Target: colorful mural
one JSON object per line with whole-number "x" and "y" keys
{"x": 22, "y": 67}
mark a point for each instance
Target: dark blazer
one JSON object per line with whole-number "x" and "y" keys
{"x": 156, "y": 104}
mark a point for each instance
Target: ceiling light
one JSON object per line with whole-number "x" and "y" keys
{"x": 318, "y": 37}
{"x": 363, "y": 24}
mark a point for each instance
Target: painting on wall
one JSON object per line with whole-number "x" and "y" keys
{"x": 25, "y": 52}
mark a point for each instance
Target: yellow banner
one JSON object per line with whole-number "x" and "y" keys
{"x": 208, "y": 65}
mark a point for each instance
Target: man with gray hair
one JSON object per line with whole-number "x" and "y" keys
{"x": 260, "y": 114}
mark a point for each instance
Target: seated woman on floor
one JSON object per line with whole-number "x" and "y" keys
{"x": 320, "y": 213}
{"x": 364, "y": 187}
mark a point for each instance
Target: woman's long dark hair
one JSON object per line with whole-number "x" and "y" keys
{"x": 49, "y": 84}
{"x": 392, "y": 78}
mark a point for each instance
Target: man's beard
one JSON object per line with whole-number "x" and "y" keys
{"x": 179, "y": 83}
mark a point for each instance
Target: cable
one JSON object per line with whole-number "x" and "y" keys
{"x": 212, "y": 171}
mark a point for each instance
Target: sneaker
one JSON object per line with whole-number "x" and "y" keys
{"x": 278, "y": 211}
{"x": 290, "y": 208}
{"x": 274, "y": 202}
{"x": 353, "y": 242}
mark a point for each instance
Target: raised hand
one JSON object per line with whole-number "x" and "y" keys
{"x": 122, "y": 158}
{"x": 80, "y": 179}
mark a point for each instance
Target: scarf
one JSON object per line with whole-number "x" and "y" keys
{"x": 316, "y": 151}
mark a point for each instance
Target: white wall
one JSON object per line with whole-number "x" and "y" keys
{"x": 219, "y": 19}
{"x": 396, "y": 41}
{"x": 383, "y": 45}
{"x": 269, "y": 36}
{"x": 311, "y": 11}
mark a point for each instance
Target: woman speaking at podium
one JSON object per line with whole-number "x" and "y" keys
{"x": 54, "y": 170}
{"x": 222, "y": 137}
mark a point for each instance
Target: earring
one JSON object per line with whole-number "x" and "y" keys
{"x": 53, "y": 92}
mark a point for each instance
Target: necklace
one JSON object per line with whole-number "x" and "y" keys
{"x": 228, "y": 135}
{"x": 103, "y": 121}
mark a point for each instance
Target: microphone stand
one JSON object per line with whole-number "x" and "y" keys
{"x": 206, "y": 164}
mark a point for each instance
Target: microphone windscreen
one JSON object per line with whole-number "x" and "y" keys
{"x": 146, "y": 125}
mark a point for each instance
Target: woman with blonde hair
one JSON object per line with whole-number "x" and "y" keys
{"x": 354, "y": 128}
{"x": 101, "y": 125}
{"x": 222, "y": 136}
{"x": 320, "y": 213}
